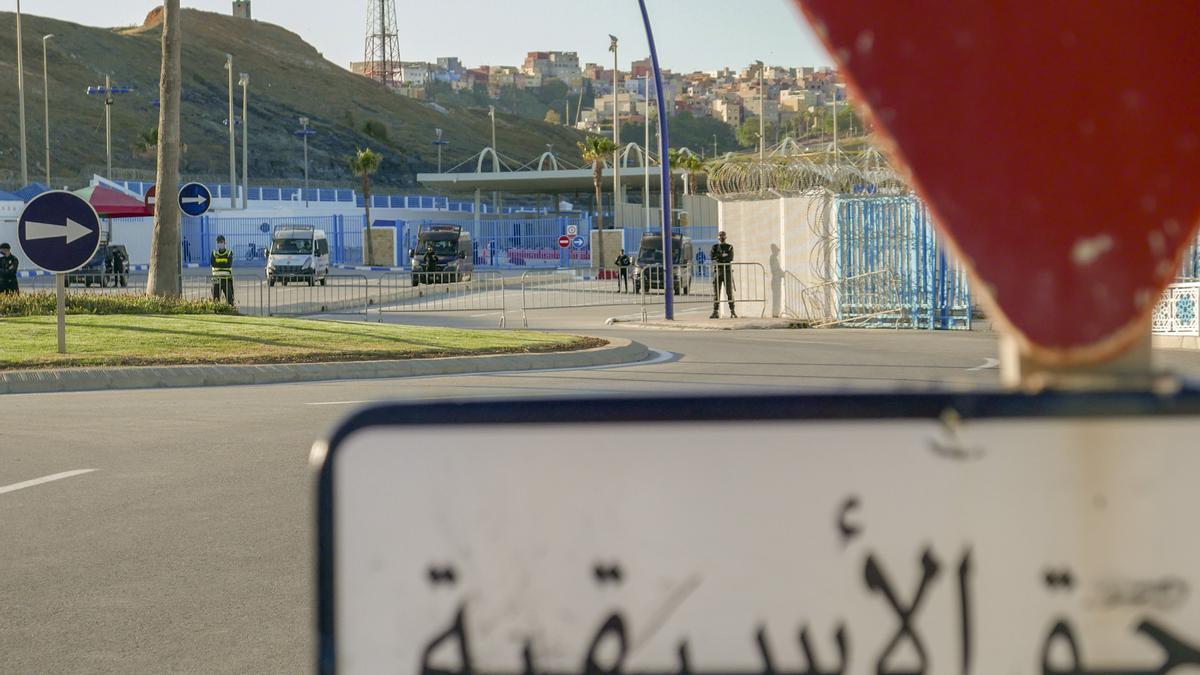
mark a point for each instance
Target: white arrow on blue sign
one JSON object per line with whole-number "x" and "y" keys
{"x": 577, "y": 242}
{"x": 194, "y": 199}
{"x": 59, "y": 231}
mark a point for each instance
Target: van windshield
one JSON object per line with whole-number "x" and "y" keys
{"x": 651, "y": 253}
{"x": 292, "y": 246}
{"x": 443, "y": 246}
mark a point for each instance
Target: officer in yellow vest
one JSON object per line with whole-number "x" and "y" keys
{"x": 221, "y": 262}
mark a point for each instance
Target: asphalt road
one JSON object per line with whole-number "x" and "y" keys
{"x": 188, "y": 545}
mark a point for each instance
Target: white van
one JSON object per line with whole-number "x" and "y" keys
{"x": 298, "y": 253}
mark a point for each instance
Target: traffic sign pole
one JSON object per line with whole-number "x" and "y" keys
{"x": 60, "y": 303}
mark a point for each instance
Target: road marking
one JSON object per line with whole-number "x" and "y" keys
{"x": 988, "y": 364}
{"x": 660, "y": 356}
{"x": 476, "y": 316}
{"x": 44, "y": 479}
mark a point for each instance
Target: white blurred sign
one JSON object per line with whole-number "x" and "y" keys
{"x": 882, "y": 546}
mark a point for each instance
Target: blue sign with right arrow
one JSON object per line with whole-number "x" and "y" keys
{"x": 194, "y": 199}
{"x": 59, "y": 231}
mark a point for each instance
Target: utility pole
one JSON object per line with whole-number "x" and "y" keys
{"x": 46, "y": 100}
{"x": 616, "y": 200}
{"x": 232, "y": 139}
{"x": 439, "y": 143}
{"x": 244, "y": 80}
{"x": 108, "y": 103}
{"x": 21, "y": 98}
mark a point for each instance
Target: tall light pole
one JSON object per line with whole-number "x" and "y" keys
{"x": 439, "y": 143}
{"x": 244, "y": 80}
{"x": 107, "y": 91}
{"x": 612, "y": 47}
{"x": 495, "y": 155}
{"x": 714, "y": 146}
{"x": 46, "y": 100}
{"x": 762, "y": 115}
{"x": 304, "y": 132}
{"x": 21, "y": 98}
{"x": 232, "y": 138}
{"x": 646, "y": 152}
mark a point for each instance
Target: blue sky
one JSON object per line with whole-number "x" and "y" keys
{"x": 691, "y": 34}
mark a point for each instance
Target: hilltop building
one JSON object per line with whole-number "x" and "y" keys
{"x": 241, "y": 9}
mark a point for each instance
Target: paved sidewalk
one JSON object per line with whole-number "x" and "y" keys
{"x": 618, "y": 350}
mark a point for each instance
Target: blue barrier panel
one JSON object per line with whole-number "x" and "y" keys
{"x": 345, "y": 195}
{"x": 380, "y": 201}
{"x": 426, "y": 203}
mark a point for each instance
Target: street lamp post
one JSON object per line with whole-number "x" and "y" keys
{"x": 46, "y": 101}
{"x": 646, "y": 153}
{"x": 244, "y": 80}
{"x": 232, "y": 138}
{"x": 714, "y": 146}
{"x": 304, "y": 132}
{"x": 21, "y": 98}
{"x": 107, "y": 91}
{"x": 762, "y": 115}
{"x": 439, "y": 143}
{"x": 495, "y": 155}
{"x": 612, "y": 47}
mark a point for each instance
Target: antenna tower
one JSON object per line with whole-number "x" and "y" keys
{"x": 382, "y": 50}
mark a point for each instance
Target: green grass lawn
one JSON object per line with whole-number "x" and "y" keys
{"x": 124, "y": 340}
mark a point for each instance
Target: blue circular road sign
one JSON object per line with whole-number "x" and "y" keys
{"x": 577, "y": 242}
{"x": 194, "y": 199}
{"x": 59, "y": 231}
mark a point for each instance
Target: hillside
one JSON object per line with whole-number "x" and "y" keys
{"x": 288, "y": 78}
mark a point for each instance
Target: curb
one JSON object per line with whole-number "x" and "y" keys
{"x": 617, "y": 351}
{"x": 1188, "y": 342}
{"x": 709, "y": 325}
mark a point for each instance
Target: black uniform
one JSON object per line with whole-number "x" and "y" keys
{"x": 8, "y": 274}
{"x": 221, "y": 263}
{"x": 429, "y": 263}
{"x": 118, "y": 270}
{"x": 622, "y": 262}
{"x": 722, "y": 257}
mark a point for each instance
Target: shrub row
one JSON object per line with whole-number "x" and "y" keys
{"x": 43, "y": 303}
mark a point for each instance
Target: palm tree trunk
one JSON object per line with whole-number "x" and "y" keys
{"x": 164, "y": 246}
{"x": 596, "y": 176}
{"x": 367, "y": 248}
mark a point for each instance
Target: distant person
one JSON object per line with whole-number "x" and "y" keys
{"x": 187, "y": 251}
{"x": 722, "y": 257}
{"x": 120, "y": 269}
{"x": 622, "y": 262}
{"x": 221, "y": 263}
{"x": 8, "y": 270}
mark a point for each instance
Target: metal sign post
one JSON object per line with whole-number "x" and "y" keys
{"x": 60, "y": 232}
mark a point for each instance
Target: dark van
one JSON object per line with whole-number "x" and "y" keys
{"x": 452, "y": 247}
{"x": 109, "y": 267}
{"x": 648, "y": 267}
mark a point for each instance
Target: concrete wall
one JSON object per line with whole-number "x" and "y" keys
{"x": 781, "y": 235}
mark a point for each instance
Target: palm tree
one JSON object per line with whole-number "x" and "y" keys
{"x": 597, "y": 149}
{"x": 164, "y": 247}
{"x": 692, "y": 165}
{"x": 147, "y": 143}
{"x": 363, "y": 163}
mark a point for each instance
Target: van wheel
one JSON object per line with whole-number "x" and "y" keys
{"x": 66, "y": 281}
{"x": 312, "y": 280}
{"x": 270, "y": 281}
{"x": 323, "y": 280}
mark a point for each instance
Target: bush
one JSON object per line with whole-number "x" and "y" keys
{"x": 41, "y": 303}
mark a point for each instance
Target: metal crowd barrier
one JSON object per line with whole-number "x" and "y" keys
{"x": 564, "y": 289}
{"x": 481, "y": 292}
{"x": 340, "y": 294}
{"x": 249, "y": 291}
{"x": 749, "y": 285}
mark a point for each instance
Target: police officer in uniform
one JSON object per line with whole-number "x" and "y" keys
{"x": 429, "y": 262}
{"x": 622, "y": 262}
{"x": 722, "y": 257}
{"x": 221, "y": 263}
{"x": 8, "y": 270}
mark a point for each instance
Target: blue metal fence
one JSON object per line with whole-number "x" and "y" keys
{"x": 895, "y": 233}
{"x": 249, "y": 238}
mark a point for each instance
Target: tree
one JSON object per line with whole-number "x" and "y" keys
{"x": 164, "y": 245}
{"x": 747, "y": 134}
{"x": 363, "y": 163}
{"x": 552, "y": 117}
{"x": 147, "y": 143}
{"x": 597, "y": 149}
